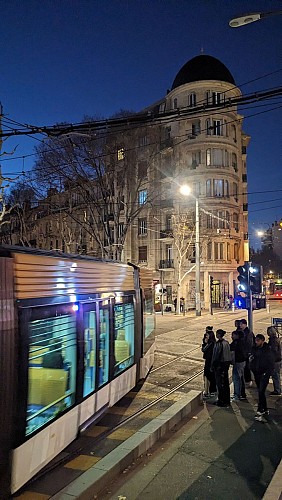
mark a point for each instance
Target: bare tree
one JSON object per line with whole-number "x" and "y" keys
{"x": 105, "y": 184}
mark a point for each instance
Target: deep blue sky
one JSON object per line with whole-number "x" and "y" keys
{"x": 63, "y": 59}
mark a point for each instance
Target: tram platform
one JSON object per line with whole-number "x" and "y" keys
{"x": 180, "y": 448}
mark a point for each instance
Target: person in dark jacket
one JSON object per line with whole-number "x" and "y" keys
{"x": 207, "y": 349}
{"x": 275, "y": 347}
{"x": 249, "y": 343}
{"x": 261, "y": 364}
{"x": 237, "y": 347}
{"x": 53, "y": 358}
{"x": 220, "y": 363}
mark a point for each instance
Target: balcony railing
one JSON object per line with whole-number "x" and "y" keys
{"x": 166, "y": 264}
{"x": 166, "y": 233}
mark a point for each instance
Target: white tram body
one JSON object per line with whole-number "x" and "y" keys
{"x": 76, "y": 335}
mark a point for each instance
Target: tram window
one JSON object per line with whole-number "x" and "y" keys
{"x": 148, "y": 308}
{"x": 52, "y": 366}
{"x": 104, "y": 343}
{"x": 89, "y": 319}
{"x": 124, "y": 334}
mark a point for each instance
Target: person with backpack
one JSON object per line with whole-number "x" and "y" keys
{"x": 220, "y": 363}
{"x": 275, "y": 347}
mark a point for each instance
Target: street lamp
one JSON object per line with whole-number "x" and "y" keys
{"x": 236, "y": 22}
{"x": 186, "y": 191}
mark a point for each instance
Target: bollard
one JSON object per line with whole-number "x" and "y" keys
{"x": 268, "y": 308}
{"x": 233, "y": 307}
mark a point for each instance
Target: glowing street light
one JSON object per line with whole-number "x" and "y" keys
{"x": 236, "y": 22}
{"x": 185, "y": 190}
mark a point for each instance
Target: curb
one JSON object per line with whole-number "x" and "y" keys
{"x": 274, "y": 490}
{"x": 97, "y": 477}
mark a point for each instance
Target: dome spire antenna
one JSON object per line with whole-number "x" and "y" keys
{"x": 202, "y": 50}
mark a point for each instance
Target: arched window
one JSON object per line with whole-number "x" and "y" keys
{"x": 175, "y": 103}
{"x": 226, "y": 188}
{"x": 192, "y": 100}
{"x": 235, "y": 191}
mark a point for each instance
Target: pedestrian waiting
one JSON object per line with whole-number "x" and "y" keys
{"x": 220, "y": 363}
{"x": 239, "y": 356}
{"x": 275, "y": 347}
{"x": 207, "y": 349}
{"x": 261, "y": 364}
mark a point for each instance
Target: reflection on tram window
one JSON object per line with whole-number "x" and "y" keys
{"x": 104, "y": 343}
{"x": 149, "y": 318}
{"x": 52, "y": 368}
{"x": 124, "y": 335}
{"x": 89, "y": 319}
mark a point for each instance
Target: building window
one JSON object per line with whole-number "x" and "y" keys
{"x": 196, "y": 127}
{"x": 142, "y": 169}
{"x": 142, "y": 196}
{"x": 226, "y": 188}
{"x": 169, "y": 252}
{"x": 221, "y": 220}
{"x": 218, "y": 251}
{"x": 120, "y": 154}
{"x": 142, "y": 226}
{"x": 235, "y": 191}
{"x": 175, "y": 103}
{"x": 233, "y": 133}
{"x": 228, "y": 254}
{"x": 236, "y": 251}
{"x": 214, "y": 127}
{"x": 120, "y": 229}
{"x": 162, "y": 107}
{"x": 196, "y": 158}
{"x": 208, "y": 157}
{"x": 168, "y": 222}
{"x": 142, "y": 254}
{"x": 210, "y": 219}
{"x": 218, "y": 187}
{"x": 197, "y": 188}
{"x": 234, "y": 162}
{"x": 208, "y": 187}
{"x": 227, "y": 215}
{"x": 192, "y": 100}
{"x": 216, "y": 98}
{"x": 236, "y": 222}
{"x": 209, "y": 250}
{"x": 143, "y": 141}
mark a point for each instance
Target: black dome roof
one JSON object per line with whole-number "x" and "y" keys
{"x": 202, "y": 68}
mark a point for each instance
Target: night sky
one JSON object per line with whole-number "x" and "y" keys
{"x": 64, "y": 59}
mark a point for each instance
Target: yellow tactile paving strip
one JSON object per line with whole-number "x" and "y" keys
{"x": 82, "y": 462}
{"x": 32, "y": 495}
{"x": 121, "y": 434}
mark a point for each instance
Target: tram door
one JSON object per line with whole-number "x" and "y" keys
{"x": 215, "y": 294}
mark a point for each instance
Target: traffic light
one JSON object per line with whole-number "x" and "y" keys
{"x": 243, "y": 278}
{"x": 255, "y": 278}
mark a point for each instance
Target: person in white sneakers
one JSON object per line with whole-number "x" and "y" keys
{"x": 261, "y": 364}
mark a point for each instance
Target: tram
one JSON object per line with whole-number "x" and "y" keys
{"x": 76, "y": 334}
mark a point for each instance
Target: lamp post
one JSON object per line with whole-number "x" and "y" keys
{"x": 236, "y": 22}
{"x": 186, "y": 191}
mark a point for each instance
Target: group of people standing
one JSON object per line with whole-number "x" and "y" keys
{"x": 247, "y": 354}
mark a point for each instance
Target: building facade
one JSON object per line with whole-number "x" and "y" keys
{"x": 195, "y": 137}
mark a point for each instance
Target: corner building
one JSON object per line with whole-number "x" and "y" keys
{"x": 206, "y": 149}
